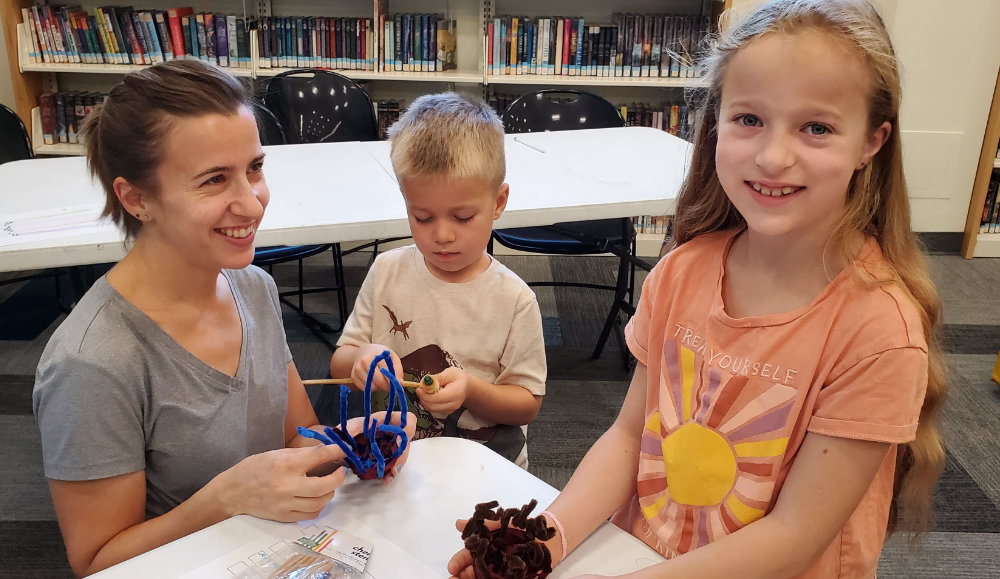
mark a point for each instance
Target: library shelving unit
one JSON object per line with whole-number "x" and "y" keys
{"x": 975, "y": 244}
{"x": 29, "y": 80}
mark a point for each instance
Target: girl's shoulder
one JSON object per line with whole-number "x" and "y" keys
{"x": 706, "y": 243}
{"x": 877, "y": 302}
{"x": 701, "y": 253}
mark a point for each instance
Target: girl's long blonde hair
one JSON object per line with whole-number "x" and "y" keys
{"x": 877, "y": 205}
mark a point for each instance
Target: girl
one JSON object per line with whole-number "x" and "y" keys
{"x": 167, "y": 398}
{"x": 781, "y": 417}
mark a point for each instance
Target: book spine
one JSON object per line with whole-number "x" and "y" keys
{"x": 35, "y": 55}
{"x": 200, "y": 30}
{"x": 39, "y": 31}
{"x": 163, "y": 32}
{"x": 221, "y": 24}
{"x": 189, "y": 26}
{"x": 579, "y": 46}
{"x": 174, "y": 16}
{"x": 146, "y": 17}
{"x": 87, "y": 50}
{"x": 120, "y": 38}
{"x": 211, "y": 51}
{"x": 135, "y": 35}
{"x": 60, "y": 120}
{"x": 243, "y": 44}
{"x": 232, "y": 42}
{"x": 47, "y": 111}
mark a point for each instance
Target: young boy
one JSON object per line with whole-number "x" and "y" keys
{"x": 443, "y": 306}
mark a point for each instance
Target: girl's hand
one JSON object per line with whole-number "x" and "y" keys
{"x": 460, "y": 565}
{"x": 451, "y": 396}
{"x": 363, "y": 360}
{"x": 275, "y": 485}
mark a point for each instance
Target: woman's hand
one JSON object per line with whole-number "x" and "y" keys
{"x": 362, "y": 362}
{"x": 276, "y": 485}
{"x": 450, "y": 396}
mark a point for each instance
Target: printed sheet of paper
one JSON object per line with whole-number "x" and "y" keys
{"x": 385, "y": 560}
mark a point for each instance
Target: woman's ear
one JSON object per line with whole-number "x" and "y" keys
{"x": 130, "y": 197}
{"x": 874, "y": 143}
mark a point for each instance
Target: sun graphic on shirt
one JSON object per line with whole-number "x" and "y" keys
{"x": 710, "y": 457}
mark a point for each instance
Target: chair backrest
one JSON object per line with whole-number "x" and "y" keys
{"x": 560, "y": 110}
{"x": 268, "y": 127}
{"x": 14, "y": 142}
{"x": 319, "y": 106}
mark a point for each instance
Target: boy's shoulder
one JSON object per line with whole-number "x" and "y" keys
{"x": 392, "y": 259}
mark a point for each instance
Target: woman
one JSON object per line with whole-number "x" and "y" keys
{"x": 168, "y": 399}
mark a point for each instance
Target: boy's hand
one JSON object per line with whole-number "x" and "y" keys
{"x": 363, "y": 360}
{"x": 455, "y": 384}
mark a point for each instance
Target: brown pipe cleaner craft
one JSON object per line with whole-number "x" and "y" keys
{"x": 514, "y": 550}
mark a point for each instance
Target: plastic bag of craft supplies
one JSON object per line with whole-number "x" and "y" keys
{"x": 294, "y": 561}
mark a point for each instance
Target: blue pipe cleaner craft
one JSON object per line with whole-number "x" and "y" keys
{"x": 375, "y": 447}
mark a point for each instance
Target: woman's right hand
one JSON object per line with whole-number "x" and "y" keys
{"x": 363, "y": 360}
{"x": 276, "y": 485}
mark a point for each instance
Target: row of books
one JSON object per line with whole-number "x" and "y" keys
{"x": 990, "y": 222}
{"x": 635, "y": 45}
{"x": 401, "y": 42}
{"x": 655, "y": 224}
{"x": 62, "y": 115}
{"x": 678, "y": 119}
{"x": 388, "y": 113}
{"x": 121, "y": 35}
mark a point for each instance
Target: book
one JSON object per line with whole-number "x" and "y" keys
{"x": 446, "y": 39}
{"x": 174, "y": 16}
{"x": 163, "y": 31}
{"x": 47, "y": 112}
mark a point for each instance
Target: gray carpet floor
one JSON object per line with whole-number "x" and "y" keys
{"x": 583, "y": 398}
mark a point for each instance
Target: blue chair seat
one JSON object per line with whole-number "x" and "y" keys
{"x": 281, "y": 253}
{"x": 569, "y": 238}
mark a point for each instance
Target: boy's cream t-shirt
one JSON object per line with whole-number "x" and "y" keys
{"x": 729, "y": 401}
{"x": 491, "y": 327}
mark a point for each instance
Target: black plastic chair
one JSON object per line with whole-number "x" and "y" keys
{"x": 16, "y": 146}
{"x": 560, "y": 110}
{"x": 14, "y": 142}
{"x": 271, "y": 132}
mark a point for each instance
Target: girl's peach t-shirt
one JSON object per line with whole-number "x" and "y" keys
{"x": 729, "y": 401}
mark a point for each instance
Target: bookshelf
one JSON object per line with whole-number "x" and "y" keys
{"x": 31, "y": 79}
{"x": 974, "y": 243}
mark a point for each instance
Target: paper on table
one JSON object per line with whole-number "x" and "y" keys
{"x": 51, "y": 223}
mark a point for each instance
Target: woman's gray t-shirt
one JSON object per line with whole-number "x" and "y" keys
{"x": 115, "y": 394}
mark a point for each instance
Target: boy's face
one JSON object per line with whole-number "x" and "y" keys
{"x": 451, "y": 220}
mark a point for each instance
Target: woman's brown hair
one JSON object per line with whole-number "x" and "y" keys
{"x": 877, "y": 205}
{"x": 126, "y": 135}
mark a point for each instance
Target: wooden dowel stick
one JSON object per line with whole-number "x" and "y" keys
{"x": 430, "y": 387}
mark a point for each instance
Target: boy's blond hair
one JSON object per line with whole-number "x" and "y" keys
{"x": 449, "y": 135}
